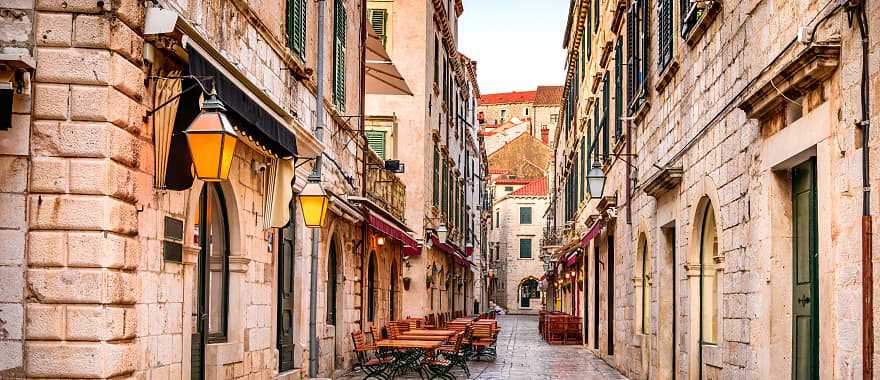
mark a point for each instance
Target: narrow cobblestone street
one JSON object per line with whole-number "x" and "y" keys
{"x": 523, "y": 355}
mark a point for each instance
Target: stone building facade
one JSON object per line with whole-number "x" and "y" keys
{"x": 108, "y": 273}
{"x": 730, "y": 247}
{"x": 437, "y": 141}
{"x": 540, "y": 108}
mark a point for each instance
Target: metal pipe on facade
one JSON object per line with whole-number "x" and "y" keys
{"x": 366, "y": 148}
{"x": 316, "y": 232}
{"x": 858, "y": 10}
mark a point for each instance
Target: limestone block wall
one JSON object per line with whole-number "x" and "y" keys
{"x": 510, "y": 231}
{"x": 16, "y": 36}
{"x": 492, "y": 112}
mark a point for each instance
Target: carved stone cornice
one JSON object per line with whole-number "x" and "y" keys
{"x": 663, "y": 181}
{"x": 807, "y": 70}
{"x": 606, "y": 202}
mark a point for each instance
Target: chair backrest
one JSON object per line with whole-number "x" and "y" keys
{"x": 359, "y": 340}
{"x": 375, "y": 332}
{"x": 482, "y": 331}
{"x": 393, "y": 330}
{"x": 460, "y": 338}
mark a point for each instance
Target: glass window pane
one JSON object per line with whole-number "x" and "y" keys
{"x": 216, "y": 247}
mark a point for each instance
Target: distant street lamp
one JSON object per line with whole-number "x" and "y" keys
{"x": 596, "y": 181}
{"x": 211, "y": 141}
{"x": 442, "y": 233}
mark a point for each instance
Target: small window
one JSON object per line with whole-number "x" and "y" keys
{"x": 508, "y": 188}
{"x": 525, "y": 215}
{"x": 296, "y": 26}
{"x": 525, "y": 248}
{"x": 527, "y": 111}
{"x": 339, "y": 34}
{"x": 379, "y": 22}
{"x": 376, "y": 141}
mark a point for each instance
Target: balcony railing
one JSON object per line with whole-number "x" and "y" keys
{"x": 384, "y": 188}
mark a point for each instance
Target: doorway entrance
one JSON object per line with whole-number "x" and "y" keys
{"x": 805, "y": 272}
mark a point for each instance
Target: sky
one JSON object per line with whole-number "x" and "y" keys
{"x": 517, "y": 43}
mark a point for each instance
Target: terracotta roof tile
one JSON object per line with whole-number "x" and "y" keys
{"x": 535, "y": 188}
{"x": 508, "y": 97}
{"x": 548, "y": 96}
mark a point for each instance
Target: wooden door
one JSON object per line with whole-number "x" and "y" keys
{"x": 286, "y": 257}
{"x": 200, "y": 298}
{"x": 805, "y": 267}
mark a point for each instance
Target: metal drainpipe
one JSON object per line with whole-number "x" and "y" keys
{"x": 316, "y": 174}
{"x": 365, "y": 151}
{"x": 867, "y": 259}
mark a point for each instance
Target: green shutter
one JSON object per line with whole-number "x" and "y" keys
{"x": 618, "y": 89}
{"x": 525, "y": 248}
{"x": 339, "y": 25}
{"x": 525, "y": 215}
{"x": 296, "y": 26}
{"x": 376, "y": 141}
{"x": 379, "y": 21}
{"x": 436, "y": 177}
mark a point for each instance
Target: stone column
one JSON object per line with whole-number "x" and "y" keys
{"x": 90, "y": 153}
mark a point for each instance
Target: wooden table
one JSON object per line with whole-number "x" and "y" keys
{"x": 406, "y": 343}
{"x": 446, "y": 333}
{"x": 410, "y": 336}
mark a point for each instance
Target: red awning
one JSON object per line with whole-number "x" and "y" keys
{"x": 410, "y": 246}
{"x": 572, "y": 258}
{"x": 593, "y": 232}
{"x": 543, "y": 276}
{"x": 468, "y": 251}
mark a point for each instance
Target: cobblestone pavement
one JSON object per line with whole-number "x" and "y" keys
{"x": 523, "y": 355}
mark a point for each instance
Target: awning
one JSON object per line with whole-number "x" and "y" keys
{"x": 278, "y": 193}
{"x": 572, "y": 258}
{"x": 254, "y": 120}
{"x": 593, "y": 232}
{"x": 382, "y": 77}
{"x": 379, "y": 223}
{"x": 468, "y": 251}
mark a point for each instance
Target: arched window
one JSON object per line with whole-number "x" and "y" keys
{"x": 212, "y": 282}
{"x": 331, "y": 284}
{"x": 528, "y": 290}
{"x": 708, "y": 278}
{"x": 371, "y": 288}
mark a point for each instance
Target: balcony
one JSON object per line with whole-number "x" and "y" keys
{"x": 384, "y": 188}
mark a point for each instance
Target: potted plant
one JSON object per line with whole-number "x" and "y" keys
{"x": 406, "y": 281}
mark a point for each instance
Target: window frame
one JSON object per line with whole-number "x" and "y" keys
{"x": 525, "y": 213}
{"x": 524, "y": 240}
{"x": 339, "y": 44}
{"x": 296, "y": 31}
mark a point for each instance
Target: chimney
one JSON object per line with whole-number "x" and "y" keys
{"x": 545, "y": 135}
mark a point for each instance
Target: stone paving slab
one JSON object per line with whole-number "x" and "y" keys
{"x": 523, "y": 355}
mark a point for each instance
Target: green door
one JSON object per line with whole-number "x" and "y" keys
{"x": 805, "y": 253}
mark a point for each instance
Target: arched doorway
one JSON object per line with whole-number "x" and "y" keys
{"x": 392, "y": 294}
{"x": 211, "y": 280}
{"x": 371, "y": 287}
{"x": 528, "y": 290}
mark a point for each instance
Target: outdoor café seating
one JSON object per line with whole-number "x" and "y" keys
{"x": 560, "y": 328}
{"x": 412, "y": 346}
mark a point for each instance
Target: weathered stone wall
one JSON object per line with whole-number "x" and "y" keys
{"x": 492, "y": 112}
{"x": 734, "y": 164}
{"x": 16, "y": 37}
{"x": 507, "y": 236}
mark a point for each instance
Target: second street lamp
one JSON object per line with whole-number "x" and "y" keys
{"x": 313, "y": 201}
{"x": 442, "y": 233}
{"x": 596, "y": 181}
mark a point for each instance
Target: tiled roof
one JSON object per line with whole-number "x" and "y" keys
{"x": 512, "y": 181}
{"x": 498, "y": 170}
{"x": 508, "y": 97}
{"x": 535, "y": 188}
{"x": 548, "y": 96}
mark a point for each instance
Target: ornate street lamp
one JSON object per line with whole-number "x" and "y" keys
{"x": 596, "y": 181}
{"x": 313, "y": 201}
{"x": 211, "y": 141}
{"x": 442, "y": 233}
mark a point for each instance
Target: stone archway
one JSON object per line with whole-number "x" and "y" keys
{"x": 528, "y": 290}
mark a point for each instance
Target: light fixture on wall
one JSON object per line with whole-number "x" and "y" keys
{"x": 442, "y": 233}
{"x": 596, "y": 181}
{"x": 380, "y": 241}
{"x": 211, "y": 141}
{"x": 313, "y": 201}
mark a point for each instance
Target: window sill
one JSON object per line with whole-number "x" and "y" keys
{"x": 666, "y": 76}
{"x": 711, "y": 10}
{"x": 640, "y": 109}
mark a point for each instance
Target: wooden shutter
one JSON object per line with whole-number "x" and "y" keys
{"x": 286, "y": 286}
{"x": 631, "y": 30}
{"x": 376, "y": 141}
{"x": 646, "y": 43}
{"x": 296, "y": 26}
{"x": 379, "y": 22}
{"x": 588, "y": 34}
{"x": 525, "y": 215}
{"x": 664, "y": 12}
{"x": 598, "y": 13}
{"x": 339, "y": 25}
{"x": 436, "y": 177}
{"x": 618, "y": 89}
{"x": 525, "y": 248}
{"x": 606, "y": 100}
